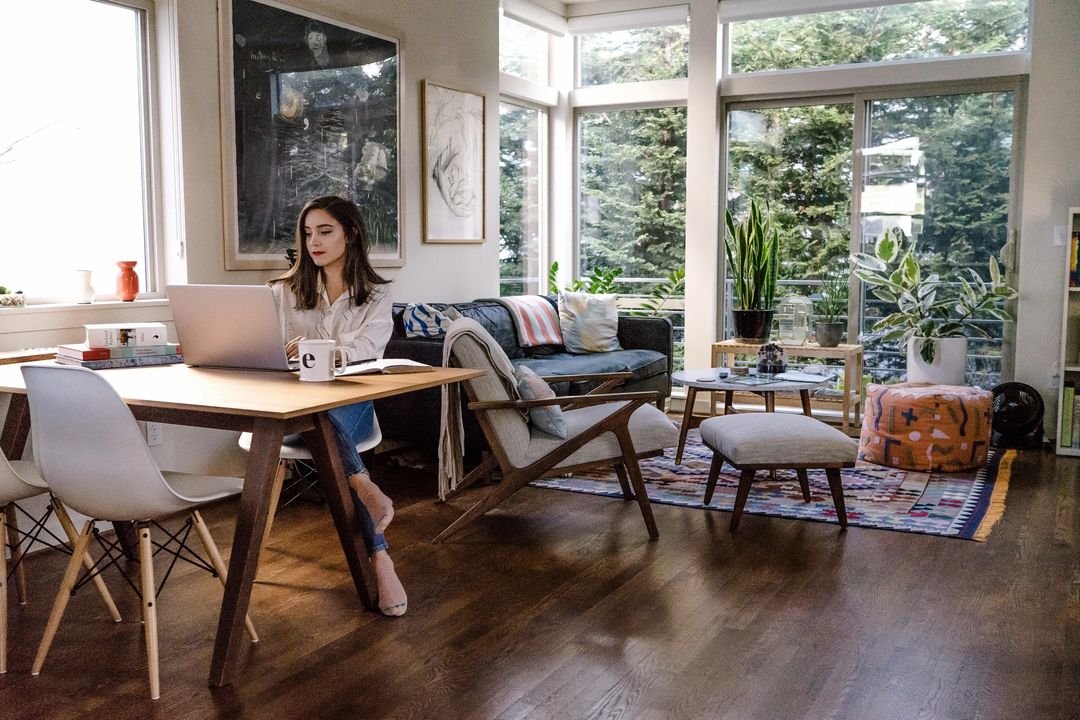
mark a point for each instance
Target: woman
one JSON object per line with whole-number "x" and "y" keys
{"x": 332, "y": 292}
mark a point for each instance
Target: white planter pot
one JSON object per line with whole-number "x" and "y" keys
{"x": 950, "y": 361}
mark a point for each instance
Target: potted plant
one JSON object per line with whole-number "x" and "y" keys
{"x": 11, "y": 299}
{"x": 753, "y": 255}
{"x": 828, "y": 329}
{"x": 933, "y": 317}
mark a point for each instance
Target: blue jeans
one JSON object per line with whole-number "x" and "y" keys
{"x": 352, "y": 424}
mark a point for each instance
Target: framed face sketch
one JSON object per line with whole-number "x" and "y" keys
{"x": 310, "y": 108}
{"x": 454, "y": 182}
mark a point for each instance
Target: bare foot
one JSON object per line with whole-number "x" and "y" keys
{"x": 392, "y": 598}
{"x": 379, "y": 506}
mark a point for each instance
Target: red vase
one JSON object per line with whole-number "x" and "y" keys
{"x": 127, "y": 282}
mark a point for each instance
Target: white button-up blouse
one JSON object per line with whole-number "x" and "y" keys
{"x": 363, "y": 331}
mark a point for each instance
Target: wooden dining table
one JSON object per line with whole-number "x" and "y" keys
{"x": 270, "y": 405}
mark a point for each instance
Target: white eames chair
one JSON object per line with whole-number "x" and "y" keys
{"x": 94, "y": 458}
{"x": 292, "y": 453}
{"x": 19, "y": 480}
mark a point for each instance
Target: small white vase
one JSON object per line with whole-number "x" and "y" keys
{"x": 84, "y": 291}
{"x": 950, "y": 361}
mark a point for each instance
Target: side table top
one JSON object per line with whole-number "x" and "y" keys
{"x": 805, "y": 350}
{"x": 708, "y": 379}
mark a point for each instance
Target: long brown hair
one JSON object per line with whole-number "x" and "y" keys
{"x": 303, "y": 277}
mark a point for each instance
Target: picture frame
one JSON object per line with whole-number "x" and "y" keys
{"x": 311, "y": 106}
{"x": 454, "y": 164}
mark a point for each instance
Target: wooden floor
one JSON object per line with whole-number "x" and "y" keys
{"x": 558, "y": 606}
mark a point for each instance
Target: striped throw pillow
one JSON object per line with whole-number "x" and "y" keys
{"x": 422, "y": 320}
{"x": 535, "y": 319}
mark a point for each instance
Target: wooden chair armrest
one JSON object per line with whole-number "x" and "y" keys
{"x": 623, "y": 376}
{"x": 576, "y": 400}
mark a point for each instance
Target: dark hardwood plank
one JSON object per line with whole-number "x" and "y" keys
{"x": 556, "y": 605}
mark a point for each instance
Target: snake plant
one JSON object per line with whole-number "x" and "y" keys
{"x": 753, "y": 256}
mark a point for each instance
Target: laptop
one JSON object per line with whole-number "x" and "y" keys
{"x": 230, "y": 326}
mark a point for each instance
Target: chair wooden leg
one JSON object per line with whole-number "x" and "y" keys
{"x": 3, "y": 596}
{"x": 714, "y": 476}
{"x": 149, "y": 603}
{"x": 837, "y": 489}
{"x": 218, "y": 564}
{"x": 17, "y": 551}
{"x": 684, "y": 426}
{"x": 745, "y": 481}
{"x": 275, "y": 496}
{"x": 88, "y": 562}
{"x": 488, "y": 463}
{"x": 624, "y": 481}
{"x": 63, "y": 595}
{"x": 804, "y": 483}
{"x": 510, "y": 484}
{"x": 631, "y": 462}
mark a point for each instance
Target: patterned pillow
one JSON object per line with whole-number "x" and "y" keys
{"x": 548, "y": 418}
{"x": 422, "y": 320}
{"x": 535, "y": 320}
{"x": 590, "y": 323}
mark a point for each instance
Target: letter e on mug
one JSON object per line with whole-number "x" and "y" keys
{"x": 320, "y": 360}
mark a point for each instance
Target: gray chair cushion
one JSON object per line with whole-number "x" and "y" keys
{"x": 777, "y": 439}
{"x": 650, "y": 429}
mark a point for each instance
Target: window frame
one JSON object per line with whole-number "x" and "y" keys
{"x": 543, "y": 182}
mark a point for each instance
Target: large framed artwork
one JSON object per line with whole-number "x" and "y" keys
{"x": 454, "y": 164}
{"x": 310, "y": 107}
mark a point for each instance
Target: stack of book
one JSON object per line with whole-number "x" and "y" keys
{"x": 121, "y": 345}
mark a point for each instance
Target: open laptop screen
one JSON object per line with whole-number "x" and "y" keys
{"x": 234, "y": 326}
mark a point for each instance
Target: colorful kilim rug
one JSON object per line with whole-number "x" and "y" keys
{"x": 960, "y": 505}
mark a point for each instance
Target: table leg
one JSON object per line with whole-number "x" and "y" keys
{"x": 770, "y": 401}
{"x": 848, "y": 387}
{"x": 858, "y": 389}
{"x": 804, "y": 395}
{"x": 262, "y": 465}
{"x": 335, "y": 488}
{"x": 684, "y": 427}
{"x": 729, "y": 404}
{"x": 16, "y": 427}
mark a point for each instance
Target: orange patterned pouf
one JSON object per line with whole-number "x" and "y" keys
{"x": 926, "y": 427}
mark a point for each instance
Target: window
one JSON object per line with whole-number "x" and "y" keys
{"x": 523, "y": 50}
{"x": 938, "y": 168}
{"x": 938, "y": 28}
{"x": 656, "y": 53}
{"x": 74, "y": 159}
{"x": 632, "y": 198}
{"x": 521, "y": 189}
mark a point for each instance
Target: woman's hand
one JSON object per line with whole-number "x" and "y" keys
{"x": 292, "y": 347}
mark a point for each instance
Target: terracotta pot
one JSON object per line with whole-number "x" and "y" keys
{"x": 752, "y": 325}
{"x": 127, "y": 282}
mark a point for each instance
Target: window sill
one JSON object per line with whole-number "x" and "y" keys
{"x": 49, "y": 324}
{"x": 44, "y": 308}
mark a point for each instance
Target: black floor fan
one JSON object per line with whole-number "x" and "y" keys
{"x": 1018, "y": 416}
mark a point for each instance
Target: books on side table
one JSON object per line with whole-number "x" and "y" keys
{"x": 118, "y": 345}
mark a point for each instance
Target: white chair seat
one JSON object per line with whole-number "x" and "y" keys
{"x": 198, "y": 489}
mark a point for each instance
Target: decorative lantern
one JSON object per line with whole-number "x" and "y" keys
{"x": 795, "y": 314}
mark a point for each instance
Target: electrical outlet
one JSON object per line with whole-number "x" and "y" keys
{"x": 153, "y": 434}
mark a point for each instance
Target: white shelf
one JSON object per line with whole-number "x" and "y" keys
{"x": 1070, "y": 336}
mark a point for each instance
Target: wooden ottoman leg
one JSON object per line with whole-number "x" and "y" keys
{"x": 745, "y": 482}
{"x": 714, "y": 475}
{"x": 837, "y": 490}
{"x": 804, "y": 483}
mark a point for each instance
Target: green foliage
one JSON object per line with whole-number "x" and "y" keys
{"x": 927, "y": 306}
{"x": 834, "y": 296}
{"x": 753, "y": 252}
{"x": 663, "y": 291}
{"x": 553, "y": 278}
{"x": 600, "y": 282}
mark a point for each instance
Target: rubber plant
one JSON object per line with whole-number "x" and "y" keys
{"x": 927, "y": 306}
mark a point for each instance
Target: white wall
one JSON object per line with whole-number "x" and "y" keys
{"x": 454, "y": 43}
{"x": 1051, "y": 184}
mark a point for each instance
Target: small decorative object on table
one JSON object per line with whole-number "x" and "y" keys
{"x": 127, "y": 282}
{"x": 771, "y": 359}
{"x": 11, "y": 299}
{"x": 84, "y": 291}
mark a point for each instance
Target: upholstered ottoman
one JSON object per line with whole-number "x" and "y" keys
{"x": 926, "y": 427}
{"x": 774, "y": 441}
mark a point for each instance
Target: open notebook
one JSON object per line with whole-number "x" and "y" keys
{"x": 387, "y": 366}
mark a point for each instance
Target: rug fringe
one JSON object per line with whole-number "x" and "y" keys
{"x": 996, "y": 507}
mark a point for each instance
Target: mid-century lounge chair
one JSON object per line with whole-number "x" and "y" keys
{"x": 603, "y": 429}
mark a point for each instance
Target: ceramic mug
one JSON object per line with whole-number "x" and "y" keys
{"x": 320, "y": 360}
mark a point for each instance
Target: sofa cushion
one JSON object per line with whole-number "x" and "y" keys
{"x": 590, "y": 322}
{"x": 642, "y": 363}
{"x": 492, "y": 316}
